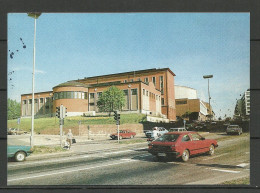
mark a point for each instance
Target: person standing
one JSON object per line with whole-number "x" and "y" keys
{"x": 69, "y": 138}
{"x": 155, "y": 133}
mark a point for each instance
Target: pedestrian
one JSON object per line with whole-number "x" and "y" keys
{"x": 155, "y": 133}
{"x": 69, "y": 138}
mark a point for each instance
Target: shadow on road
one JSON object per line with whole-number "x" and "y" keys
{"x": 219, "y": 166}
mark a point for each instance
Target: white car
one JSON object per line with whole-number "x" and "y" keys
{"x": 162, "y": 130}
{"x": 177, "y": 129}
{"x": 234, "y": 129}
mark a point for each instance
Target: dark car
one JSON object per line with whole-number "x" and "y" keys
{"x": 18, "y": 152}
{"x": 123, "y": 134}
{"x": 181, "y": 145}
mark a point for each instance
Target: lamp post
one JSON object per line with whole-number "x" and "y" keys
{"x": 208, "y": 77}
{"x": 35, "y": 16}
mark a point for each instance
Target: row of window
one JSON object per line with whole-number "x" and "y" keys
{"x": 146, "y": 80}
{"x": 181, "y": 102}
{"x": 70, "y": 95}
{"x": 152, "y": 95}
{"x": 47, "y": 99}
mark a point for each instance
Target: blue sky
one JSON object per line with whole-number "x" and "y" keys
{"x": 73, "y": 46}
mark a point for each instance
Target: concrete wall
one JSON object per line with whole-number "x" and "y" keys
{"x": 185, "y": 92}
{"x": 108, "y": 129}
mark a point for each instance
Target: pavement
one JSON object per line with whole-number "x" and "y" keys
{"x": 83, "y": 144}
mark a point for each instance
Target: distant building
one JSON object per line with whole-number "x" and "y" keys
{"x": 247, "y": 102}
{"x": 242, "y": 108}
{"x": 187, "y": 102}
{"x": 148, "y": 91}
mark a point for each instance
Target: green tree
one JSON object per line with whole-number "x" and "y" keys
{"x": 14, "y": 109}
{"x": 186, "y": 115}
{"x": 111, "y": 99}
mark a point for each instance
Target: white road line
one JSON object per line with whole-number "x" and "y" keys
{"x": 243, "y": 165}
{"x": 228, "y": 171}
{"x": 213, "y": 157}
{"x": 88, "y": 168}
{"x": 71, "y": 158}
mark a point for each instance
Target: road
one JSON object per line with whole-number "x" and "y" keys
{"x": 115, "y": 164}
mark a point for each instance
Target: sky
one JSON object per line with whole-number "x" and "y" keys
{"x": 71, "y": 46}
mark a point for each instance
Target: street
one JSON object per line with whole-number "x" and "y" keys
{"x": 108, "y": 163}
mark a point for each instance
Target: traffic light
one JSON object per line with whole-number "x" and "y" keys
{"x": 58, "y": 112}
{"x": 115, "y": 115}
{"x": 118, "y": 116}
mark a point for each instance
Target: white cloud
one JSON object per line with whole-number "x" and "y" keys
{"x": 23, "y": 68}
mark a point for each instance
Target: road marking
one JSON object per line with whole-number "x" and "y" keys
{"x": 243, "y": 165}
{"x": 71, "y": 158}
{"x": 228, "y": 171}
{"x": 76, "y": 170}
{"x": 247, "y": 152}
{"x": 213, "y": 157}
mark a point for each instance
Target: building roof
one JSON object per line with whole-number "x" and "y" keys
{"x": 37, "y": 93}
{"x": 72, "y": 84}
{"x": 132, "y": 73}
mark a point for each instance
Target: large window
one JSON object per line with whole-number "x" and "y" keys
{"x": 181, "y": 102}
{"x": 154, "y": 81}
{"x": 161, "y": 84}
{"x": 91, "y": 95}
{"x": 70, "y": 95}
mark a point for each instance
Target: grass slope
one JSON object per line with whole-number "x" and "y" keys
{"x": 42, "y": 124}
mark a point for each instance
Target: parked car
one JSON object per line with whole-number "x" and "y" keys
{"x": 162, "y": 130}
{"x": 234, "y": 129}
{"x": 14, "y": 131}
{"x": 181, "y": 145}
{"x": 123, "y": 134}
{"x": 177, "y": 129}
{"x": 18, "y": 152}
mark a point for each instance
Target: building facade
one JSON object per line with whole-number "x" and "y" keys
{"x": 148, "y": 91}
{"x": 187, "y": 103}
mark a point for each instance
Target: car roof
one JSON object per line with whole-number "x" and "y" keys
{"x": 180, "y": 133}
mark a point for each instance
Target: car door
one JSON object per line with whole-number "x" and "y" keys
{"x": 186, "y": 143}
{"x": 198, "y": 144}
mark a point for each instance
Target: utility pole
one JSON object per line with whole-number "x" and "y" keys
{"x": 35, "y": 16}
{"x": 208, "y": 77}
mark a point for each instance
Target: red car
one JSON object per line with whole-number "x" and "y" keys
{"x": 181, "y": 144}
{"x": 123, "y": 134}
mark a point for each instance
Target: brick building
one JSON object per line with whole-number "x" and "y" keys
{"x": 148, "y": 91}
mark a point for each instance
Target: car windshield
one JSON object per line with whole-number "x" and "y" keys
{"x": 233, "y": 126}
{"x": 171, "y": 137}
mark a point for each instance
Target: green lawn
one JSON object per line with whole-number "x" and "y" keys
{"x": 42, "y": 124}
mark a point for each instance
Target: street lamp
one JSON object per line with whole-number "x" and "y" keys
{"x": 208, "y": 77}
{"x": 35, "y": 16}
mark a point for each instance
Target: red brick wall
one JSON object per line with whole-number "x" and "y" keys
{"x": 72, "y": 105}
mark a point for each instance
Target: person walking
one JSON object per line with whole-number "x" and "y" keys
{"x": 69, "y": 138}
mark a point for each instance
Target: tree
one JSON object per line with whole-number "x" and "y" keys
{"x": 186, "y": 115}
{"x": 14, "y": 109}
{"x": 111, "y": 99}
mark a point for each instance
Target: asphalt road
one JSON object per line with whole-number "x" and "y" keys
{"x": 133, "y": 165}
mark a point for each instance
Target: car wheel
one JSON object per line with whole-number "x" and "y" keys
{"x": 131, "y": 136}
{"x": 20, "y": 156}
{"x": 120, "y": 137}
{"x": 211, "y": 150}
{"x": 185, "y": 155}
